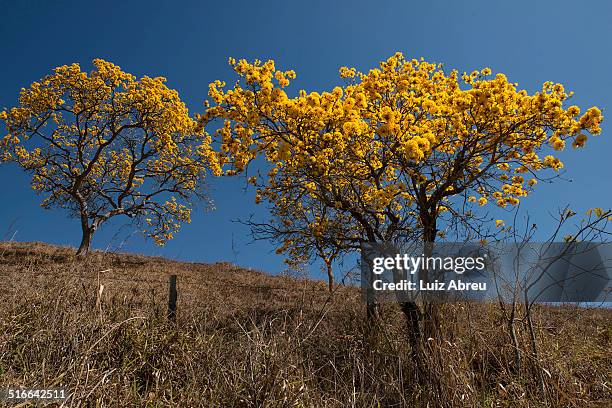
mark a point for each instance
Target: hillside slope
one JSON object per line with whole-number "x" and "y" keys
{"x": 244, "y": 338}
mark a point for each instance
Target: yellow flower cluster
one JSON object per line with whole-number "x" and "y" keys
{"x": 404, "y": 129}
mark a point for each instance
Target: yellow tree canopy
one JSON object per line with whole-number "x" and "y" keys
{"x": 396, "y": 145}
{"x": 105, "y": 144}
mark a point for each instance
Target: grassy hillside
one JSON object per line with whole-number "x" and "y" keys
{"x": 246, "y": 339}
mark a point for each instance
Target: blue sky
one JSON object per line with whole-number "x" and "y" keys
{"x": 189, "y": 43}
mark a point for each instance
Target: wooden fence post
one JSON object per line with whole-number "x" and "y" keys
{"x": 172, "y": 295}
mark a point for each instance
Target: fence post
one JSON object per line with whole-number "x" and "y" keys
{"x": 172, "y": 295}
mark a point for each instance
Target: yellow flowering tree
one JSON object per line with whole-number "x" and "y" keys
{"x": 104, "y": 144}
{"x": 307, "y": 230}
{"x": 395, "y": 150}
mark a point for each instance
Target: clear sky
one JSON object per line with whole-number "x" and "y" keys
{"x": 189, "y": 43}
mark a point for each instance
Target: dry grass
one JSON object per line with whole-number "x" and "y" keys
{"x": 245, "y": 339}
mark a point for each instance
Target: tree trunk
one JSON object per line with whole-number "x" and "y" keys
{"x": 330, "y": 277}
{"x": 373, "y": 311}
{"x": 411, "y": 310}
{"x": 431, "y": 320}
{"x": 372, "y": 306}
{"x": 85, "y": 240}
{"x": 413, "y": 315}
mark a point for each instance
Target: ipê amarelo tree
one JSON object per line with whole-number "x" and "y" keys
{"x": 104, "y": 144}
{"x": 404, "y": 147}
